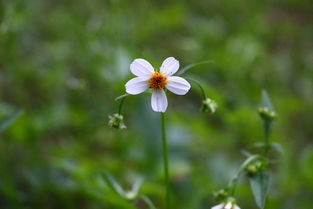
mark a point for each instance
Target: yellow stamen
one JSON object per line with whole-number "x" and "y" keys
{"x": 157, "y": 81}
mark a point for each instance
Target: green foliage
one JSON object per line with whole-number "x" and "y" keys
{"x": 6, "y": 122}
{"x": 114, "y": 185}
{"x": 260, "y": 184}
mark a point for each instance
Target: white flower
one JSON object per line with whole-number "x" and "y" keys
{"x": 228, "y": 205}
{"x": 147, "y": 77}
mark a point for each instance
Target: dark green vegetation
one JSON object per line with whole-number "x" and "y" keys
{"x": 63, "y": 62}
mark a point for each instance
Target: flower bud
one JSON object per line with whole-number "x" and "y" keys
{"x": 208, "y": 106}
{"x": 220, "y": 195}
{"x": 254, "y": 168}
{"x": 267, "y": 114}
{"x": 116, "y": 121}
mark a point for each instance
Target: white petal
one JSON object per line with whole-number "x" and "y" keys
{"x": 169, "y": 66}
{"x": 220, "y": 206}
{"x": 141, "y": 67}
{"x": 137, "y": 85}
{"x": 159, "y": 101}
{"x": 177, "y": 85}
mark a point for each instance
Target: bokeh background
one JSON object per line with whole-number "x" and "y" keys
{"x": 63, "y": 62}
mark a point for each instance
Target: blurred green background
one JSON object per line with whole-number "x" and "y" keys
{"x": 63, "y": 62}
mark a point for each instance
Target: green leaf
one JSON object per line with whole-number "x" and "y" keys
{"x": 266, "y": 101}
{"x": 246, "y": 153}
{"x": 260, "y": 186}
{"x": 249, "y": 160}
{"x": 4, "y": 124}
{"x": 121, "y": 97}
{"x": 274, "y": 145}
{"x": 188, "y": 67}
{"x": 118, "y": 202}
{"x": 133, "y": 193}
{"x": 116, "y": 187}
{"x": 148, "y": 202}
{"x": 277, "y": 147}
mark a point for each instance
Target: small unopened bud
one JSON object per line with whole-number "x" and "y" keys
{"x": 116, "y": 121}
{"x": 254, "y": 168}
{"x": 208, "y": 106}
{"x": 267, "y": 114}
{"x": 220, "y": 195}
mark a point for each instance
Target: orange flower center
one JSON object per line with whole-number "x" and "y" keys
{"x": 157, "y": 81}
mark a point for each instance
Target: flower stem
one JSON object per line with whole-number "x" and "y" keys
{"x": 121, "y": 105}
{"x": 267, "y": 126}
{"x": 165, "y": 162}
{"x": 199, "y": 85}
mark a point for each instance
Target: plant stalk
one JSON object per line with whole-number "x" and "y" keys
{"x": 121, "y": 105}
{"x": 199, "y": 85}
{"x": 267, "y": 126}
{"x": 165, "y": 161}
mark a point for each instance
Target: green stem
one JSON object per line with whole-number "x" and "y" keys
{"x": 267, "y": 126}
{"x": 165, "y": 162}
{"x": 121, "y": 105}
{"x": 199, "y": 85}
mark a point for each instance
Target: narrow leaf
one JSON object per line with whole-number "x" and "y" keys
{"x": 118, "y": 202}
{"x": 121, "y": 97}
{"x": 116, "y": 187}
{"x": 246, "y": 153}
{"x": 112, "y": 183}
{"x": 277, "y": 147}
{"x": 148, "y": 202}
{"x": 188, "y": 67}
{"x": 249, "y": 160}
{"x": 274, "y": 145}
{"x": 4, "y": 124}
{"x": 260, "y": 186}
{"x": 266, "y": 101}
{"x": 133, "y": 193}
